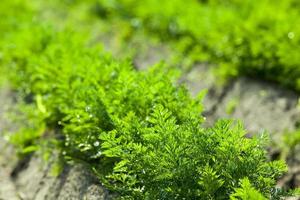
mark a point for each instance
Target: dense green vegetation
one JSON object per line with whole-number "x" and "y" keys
{"x": 139, "y": 131}
{"x": 258, "y": 38}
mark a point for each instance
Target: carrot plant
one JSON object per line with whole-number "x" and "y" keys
{"x": 258, "y": 38}
{"x": 140, "y": 132}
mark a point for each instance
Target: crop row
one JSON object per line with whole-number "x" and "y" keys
{"x": 139, "y": 131}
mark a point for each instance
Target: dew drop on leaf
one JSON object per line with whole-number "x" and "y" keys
{"x": 87, "y": 109}
{"x": 291, "y": 35}
{"x": 96, "y": 144}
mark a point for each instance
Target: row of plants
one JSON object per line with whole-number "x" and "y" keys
{"x": 258, "y": 38}
{"x": 236, "y": 38}
{"x": 139, "y": 131}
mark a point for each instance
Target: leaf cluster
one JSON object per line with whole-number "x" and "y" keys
{"x": 139, "y": 131}
{"x": 258, "y": 38}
